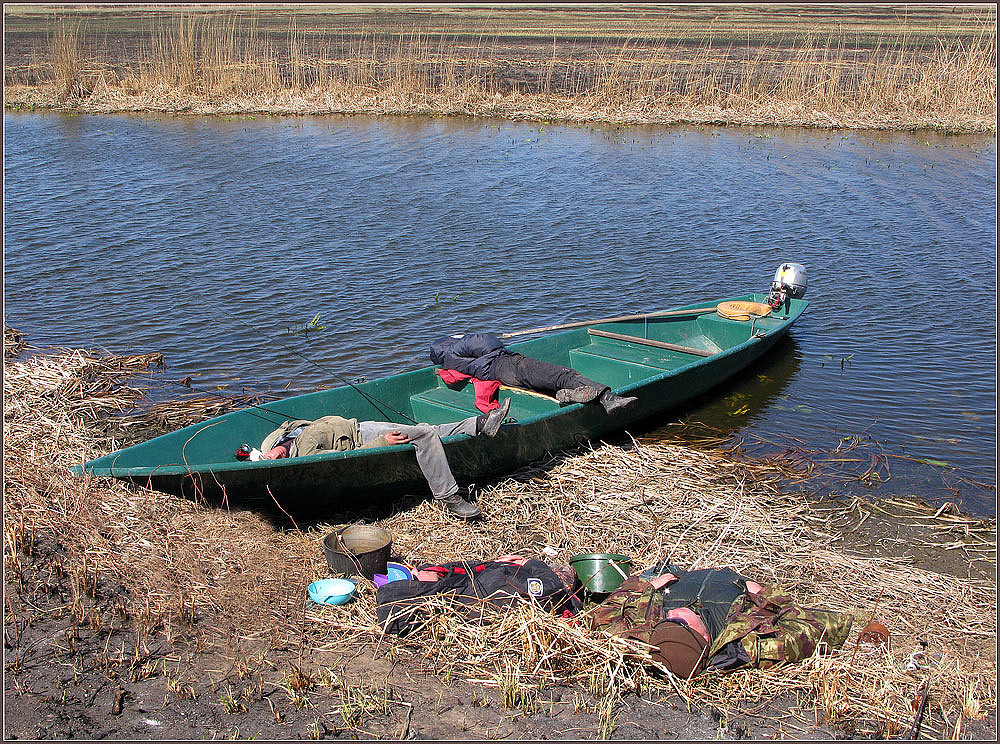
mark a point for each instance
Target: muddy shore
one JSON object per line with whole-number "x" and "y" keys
{"x": 512, "y": 107}
{"x": 134, "y": 614}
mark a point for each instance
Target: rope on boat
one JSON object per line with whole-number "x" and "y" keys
{"x": 741, "y": 310}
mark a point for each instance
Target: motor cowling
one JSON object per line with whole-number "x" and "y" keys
{"x": 789, "y": 284}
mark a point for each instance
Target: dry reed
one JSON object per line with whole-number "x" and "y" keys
{"x": 225, "y": 64}
{"x": 235, "y": 582}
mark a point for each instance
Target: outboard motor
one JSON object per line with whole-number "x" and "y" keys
{"x": 789, "y": 284}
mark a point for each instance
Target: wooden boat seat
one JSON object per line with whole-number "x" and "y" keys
{"x": 442, "y": 404}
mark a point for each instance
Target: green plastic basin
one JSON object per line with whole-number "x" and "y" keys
{"x": 601, "y": 573}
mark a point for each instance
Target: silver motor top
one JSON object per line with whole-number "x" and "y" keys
{"x": 789, "y": 283}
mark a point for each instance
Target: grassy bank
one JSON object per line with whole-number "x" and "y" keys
{"x": 831, "y": 67}
{"x": 195, "y": 614}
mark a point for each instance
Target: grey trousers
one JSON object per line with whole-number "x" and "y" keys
{"x": 426, "y": 440}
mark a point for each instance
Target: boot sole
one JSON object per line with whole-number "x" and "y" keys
{"x": 492, "y": 430}
{"x": 577, "y": 396}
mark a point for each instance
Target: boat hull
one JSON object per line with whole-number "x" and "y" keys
{"x": 662, "y": 379}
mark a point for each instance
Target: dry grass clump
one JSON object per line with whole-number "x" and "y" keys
{"x": 13, "y": 342}
{"x": 82, "y": 386}
{"x": 177, "y": 561}
{"x": 220, "y": 578}
{"x": 664, "y": 72}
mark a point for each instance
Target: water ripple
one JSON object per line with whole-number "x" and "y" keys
{"x": 208, "y": 239}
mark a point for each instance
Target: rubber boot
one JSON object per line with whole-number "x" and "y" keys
{"x": 582, "y": 394}
{"x": 613, "y": 403}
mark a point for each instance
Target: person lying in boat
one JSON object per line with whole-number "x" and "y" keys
{"x": 483, "y": 356}
{"x": 715, "y": 618}
{"x": 302, "y": 437}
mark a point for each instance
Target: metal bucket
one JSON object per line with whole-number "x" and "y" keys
{"x": 358, "y": 550}
{"x": 601, "y": 573}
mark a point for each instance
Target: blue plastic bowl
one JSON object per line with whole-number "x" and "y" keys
{"x": 331, "y": 591}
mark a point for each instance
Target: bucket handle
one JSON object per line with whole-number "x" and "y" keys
{"x": 615, "y": 566}
{"x": 344, "y": 550}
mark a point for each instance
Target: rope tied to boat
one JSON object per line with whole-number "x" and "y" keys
{"x": 743, "y": 310}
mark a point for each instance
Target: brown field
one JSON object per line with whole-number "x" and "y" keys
{"x": 134, "y": 614}
{"x": 832, "y": 66}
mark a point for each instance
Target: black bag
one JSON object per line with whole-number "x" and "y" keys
{"x": 402, "y": 605}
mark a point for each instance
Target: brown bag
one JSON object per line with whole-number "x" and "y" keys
{"x": 635, "y": 610}
{"x": 679, "y": 648}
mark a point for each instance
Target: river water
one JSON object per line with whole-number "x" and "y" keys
{"x": 214, "y": 239}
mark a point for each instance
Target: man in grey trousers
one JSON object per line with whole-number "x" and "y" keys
{"x": 334, "y": 433}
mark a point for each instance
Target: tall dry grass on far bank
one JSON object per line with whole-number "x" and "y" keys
{"x": 225, "y": 64}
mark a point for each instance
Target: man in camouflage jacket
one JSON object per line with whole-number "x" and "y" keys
{"x": 715, "y": 618}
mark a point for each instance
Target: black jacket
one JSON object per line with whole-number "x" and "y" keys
{"x": 710, "y": 592}
{"x": 472, "y": 354}
{"x": 403, "y": 605}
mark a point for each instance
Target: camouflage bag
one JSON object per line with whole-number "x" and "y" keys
{"x": 770, "y": 628}
{"x": 635, "y": 610}
{"x": 631, "y": 610}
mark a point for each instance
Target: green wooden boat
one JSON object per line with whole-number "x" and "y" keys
{"x": 665, "y": 360}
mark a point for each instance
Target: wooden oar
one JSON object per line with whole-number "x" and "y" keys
{"x": 580, "y": 324}
{"x": 651, "y": 342}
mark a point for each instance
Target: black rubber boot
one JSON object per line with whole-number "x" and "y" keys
{"x": 613, "y": 403}
{"x": 489, "y": 423}
{"x": 582, "y": 394}
{"x": 459, "y": 507}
